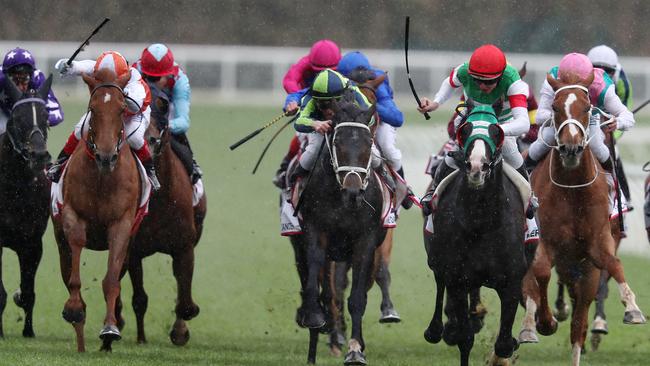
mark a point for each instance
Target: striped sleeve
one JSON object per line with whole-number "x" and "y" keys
{"x": 518, "y": 94}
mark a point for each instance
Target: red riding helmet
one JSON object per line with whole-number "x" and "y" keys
{"x": 487, "y": 62}
{"x": 157, "y": 60}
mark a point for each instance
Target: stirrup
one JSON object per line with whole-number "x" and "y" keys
{"x": 54, "y": 172}
{"x": 533, "y": 204}
{"x": 408, "y": 202}
{"x": 197, "y": 173}
{"x": 155, "y": 184}
{"x": 280, "y": 179}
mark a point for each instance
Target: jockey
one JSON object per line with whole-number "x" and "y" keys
{"x": 159, "y": 70}
{"x": 316, "y": 113}
{"x": 19, "y": 66}
{"x": 602, "y": 95}
{"x": 486, "y": 79}
{"x": 136, "y": 115}
{"x": 606, "y": 58}
{"x": 323, "y": 54}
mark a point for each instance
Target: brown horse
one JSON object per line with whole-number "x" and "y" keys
{"x": 100, "y": 198}
{"x": 574, "y": 221}
{"x": 173, "y": 226}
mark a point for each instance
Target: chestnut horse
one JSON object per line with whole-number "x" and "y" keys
{"x": 173, "y": 226}
{"x": 574, "y": 219}
{"x": 24, "y": 191}
{"x": 101, "y": 189}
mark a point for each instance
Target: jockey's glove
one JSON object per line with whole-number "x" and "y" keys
{"x": 63, "y": 67}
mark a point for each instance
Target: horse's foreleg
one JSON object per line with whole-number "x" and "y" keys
{"x": 361, "y": 279}
{"x": 546, "y": 323}
{"x": 338, "y": 284}
{"x": 74, "y": 310}
{"x": 183, "y": 264}
{"x": 433, "y": 333}
{"x": 604, "y": 258}
{"x": 118, "y": 241}
{"x": 383, "y": 279}
{"x": 3, "y": 297}
{"x": 140, "y": 300}
{"x": 311, "y": 313}
{"x": 505, "y": 344}
{"x": 29, "y": 260}
{"x": 458, "y": 330}
{"x": 531, "y": 295}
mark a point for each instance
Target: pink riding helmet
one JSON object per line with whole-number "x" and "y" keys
{"x": 576, "y": 63}
{"x": 324, "y": 54}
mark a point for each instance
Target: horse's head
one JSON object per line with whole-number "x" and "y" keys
{"x": 480, "y": 139}
{"x": 571, "y": 113}
{"x": 351, "y": 147}
{"x": 28, "y": 123}
{"x": 155, "y": 134}
{"x": 106, "y": 125}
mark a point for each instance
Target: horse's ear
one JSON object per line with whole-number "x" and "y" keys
{"x": 586, "y": 82}
{"x": 496, "y": 134}
{"x": 12, "y": 90}
{"x": 89, "y": 80}
{"x": 522, "y": 71}
{"x": 123, "y": 80}
{"x": 44, "y": 90}
{"x": 463, "y": 132}
{"x": 555, "y": 83}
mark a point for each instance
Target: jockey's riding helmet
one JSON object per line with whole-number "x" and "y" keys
{"x": 324, "y": 54}
{"x": 113, "y": 61}
{"x": 487, "y": 62}
{"x": 17, "y": 61}
{"x": 157, "y": 60}
{"x": 329, "y": 84}
{"x": 575, "y": 63}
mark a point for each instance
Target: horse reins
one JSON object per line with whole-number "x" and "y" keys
{"x": 356, "y": 170}
{"x": 22, "y": 150}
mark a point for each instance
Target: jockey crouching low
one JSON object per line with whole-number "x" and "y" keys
{"x": 316, "y": 113}
{"x": 390, "y": 117}
{"x": 136, "y": 115}
{"x": 487, "y": 79}
{"x": 602, "y": 94}
{"x": 159, "y": 70}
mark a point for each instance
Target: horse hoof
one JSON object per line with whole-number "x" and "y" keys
{"x": 476, "y": 323}
{"x": 599, "y": 326}
{"x": 73, "y": 316}
{"x": 432, "y": 336}
{"x": 28, "y": 333}
{"x": 528, "y": 336}
{"x": 561, "y": 312}
{"x": 179, "y": 338}
{"x": 498, "y": 361}
{"x": 389, "y": 315}
{"x": 596, "y": 338}
{"x": 312, "y": 320}
{"x": 450, "y": 335}
{"x": 188, "y": 313}
{"x": 547, "y": 329}
{"x": 634, "y": 317}
{"x": 355, "y": 358}
{"x": 110, "y": 333}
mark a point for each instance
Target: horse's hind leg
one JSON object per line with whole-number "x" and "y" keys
{"x": 25, "y": 298}
{"x": 183, "y": 264}
{"x": 140, "y": 300}
{"x": 382, "y": 277}
{"x": 3, "y": 297}
{"x": 477, "y": 310}
{"x": 582, "y": 293}
{"x": 561, "y": 311}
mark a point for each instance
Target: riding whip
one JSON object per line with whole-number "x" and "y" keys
{"x": 619, "y": 203}
{"x": 254, "y": 133}
{"x": 641, "y": 106}
{"x": 408, "y": 74}
{"x": 277, "y": 133}
{"x": 86, "y": 42}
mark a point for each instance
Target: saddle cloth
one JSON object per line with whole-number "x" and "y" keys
{"x": 56, "y": 196}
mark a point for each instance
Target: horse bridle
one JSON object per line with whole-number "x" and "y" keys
{"x": 89, "y": 141}
{"x": 573, "y": 121}
{"x": 356, "y": 170}
{"x": 23, "y": 150}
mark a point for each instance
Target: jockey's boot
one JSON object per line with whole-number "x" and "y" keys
{"x": 151, "y": 173}
{"x": 280, "y": 175}
{"x": 386, "y": 177}
{"x": 55, "y": 171}
{"x": 532, "y": 203}
{"x": 408, "y": 201}
{"x": 530, "y": 164}
{"x": 607, "y": 165}
{"x": 622, "y": 180}
{"x": 197, "y": 173}
{"x": 299, "y": 172}
{"x": 442, "y": 171}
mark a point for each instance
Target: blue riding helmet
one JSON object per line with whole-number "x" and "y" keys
{"x": 353, "y": 60}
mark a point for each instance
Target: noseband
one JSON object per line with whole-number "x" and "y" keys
{"x": 23, "y": 150}
{"x": 91, "y": 147}
{"x": 356, "y": 170}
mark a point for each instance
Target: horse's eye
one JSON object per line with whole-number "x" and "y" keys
{"x": 486, "y": 166}
{"x": 468, "y": 165}
{"x": 587, "y": 109}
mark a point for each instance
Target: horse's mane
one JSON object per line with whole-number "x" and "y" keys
{"x": 105, "y": 75}
{"x": 571, "y": 78}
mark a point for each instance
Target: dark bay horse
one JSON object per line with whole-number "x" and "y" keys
{"x": 101, "y": 189}
{"x": 341, "y": 222}
{"x": 24, "y": 191}
{"x": 575, "y": 231}
{"x": 173, "y": 226}
{"x": 477, "y": 240}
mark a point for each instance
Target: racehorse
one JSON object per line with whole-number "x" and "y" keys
{"x": 101, "y": 188}
{"x": 574, "y": 217}
{"x": 477, "y": 239}
{"x": 341, "y": 222}
{"x": 173, "y": 226}
{"x": 24, "y": 191}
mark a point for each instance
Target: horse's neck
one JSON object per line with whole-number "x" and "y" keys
{"x": 12, "y": 164}
{"x": 582, "y": 174}
{"x": 104, "y": 183}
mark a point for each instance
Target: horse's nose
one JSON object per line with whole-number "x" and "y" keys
{"x": 105, "y": 161}
{"x": 571, "y": 149}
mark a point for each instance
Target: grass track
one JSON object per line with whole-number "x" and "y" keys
{"x": 247, "y": 287}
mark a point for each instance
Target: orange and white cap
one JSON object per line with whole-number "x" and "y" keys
{"x": 114, "y": 61}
